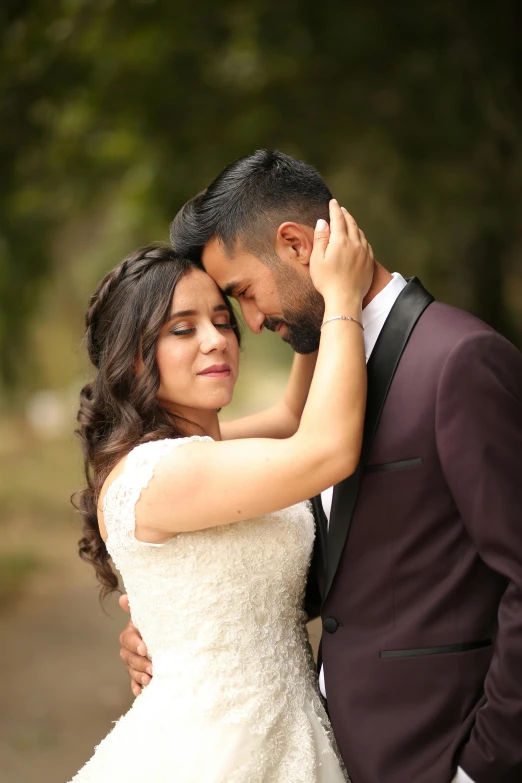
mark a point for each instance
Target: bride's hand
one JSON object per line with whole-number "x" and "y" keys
{"x": 342, "y": 260}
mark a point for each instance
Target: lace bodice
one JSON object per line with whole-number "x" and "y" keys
{"x": 226, "y": 599}
{"x": 221, "y": 613}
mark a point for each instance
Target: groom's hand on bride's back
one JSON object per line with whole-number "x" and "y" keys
{"x": 133, "y": 653}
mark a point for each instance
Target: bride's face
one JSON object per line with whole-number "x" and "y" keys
{"x": 197, "y": 352}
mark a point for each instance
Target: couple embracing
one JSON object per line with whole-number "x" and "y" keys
{"x": 401, "y": 421}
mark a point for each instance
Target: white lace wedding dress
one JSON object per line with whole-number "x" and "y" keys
{"x": 234, "y": 694}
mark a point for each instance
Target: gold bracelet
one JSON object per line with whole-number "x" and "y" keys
{"x": 342, "y": 318}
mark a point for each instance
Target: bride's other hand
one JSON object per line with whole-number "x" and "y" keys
{"x": 133, "y": 653}
{"x": 342, "y": 260}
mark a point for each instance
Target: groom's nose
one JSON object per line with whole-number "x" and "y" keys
{"x": 254, "y": 318}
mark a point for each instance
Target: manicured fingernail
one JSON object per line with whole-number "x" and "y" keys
{"x": 142, "y": 649}
{"x": 144, "y": 680}
{"x": 149, "y": 670}
{"x": 321, "y": 225}
{"x": 335, "y": 200}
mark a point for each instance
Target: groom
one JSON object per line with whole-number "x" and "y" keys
{"x": 417, "y": 568}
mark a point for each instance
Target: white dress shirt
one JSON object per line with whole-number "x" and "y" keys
{"x": 461, "y": 777}
{"x": 374, "y": 316}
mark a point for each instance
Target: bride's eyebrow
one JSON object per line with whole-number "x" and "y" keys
{"x": 182, "y": 314}
{"x": 185, "y": 313}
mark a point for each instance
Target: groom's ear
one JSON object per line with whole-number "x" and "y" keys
{"x": 294, "y": 243}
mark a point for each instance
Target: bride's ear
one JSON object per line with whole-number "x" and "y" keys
{"x": 294, "y": 243}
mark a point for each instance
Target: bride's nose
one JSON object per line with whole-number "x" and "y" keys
{"x": 213, "y": 340}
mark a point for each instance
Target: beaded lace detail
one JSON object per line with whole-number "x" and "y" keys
{"x": 234, "y": 695}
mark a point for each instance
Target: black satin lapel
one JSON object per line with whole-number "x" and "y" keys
{"x": 321, "y": 537}
{"x": 410, "y": 304}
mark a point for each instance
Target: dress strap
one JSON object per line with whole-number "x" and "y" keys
{"x": 120, "y": 500}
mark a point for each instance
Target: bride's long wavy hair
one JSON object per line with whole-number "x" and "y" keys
{"x": 118, "y": 408}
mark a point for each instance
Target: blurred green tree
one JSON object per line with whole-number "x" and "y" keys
{"x": 411, "y": 111}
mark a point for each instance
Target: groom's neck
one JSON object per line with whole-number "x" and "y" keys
{"x": 381, "y": 278}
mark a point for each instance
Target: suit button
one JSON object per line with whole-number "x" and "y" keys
{"x": 330, "y": 624}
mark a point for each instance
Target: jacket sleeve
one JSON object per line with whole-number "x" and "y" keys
{"x": 479, "y": 440}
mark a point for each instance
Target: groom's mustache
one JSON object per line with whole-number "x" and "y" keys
{"x": 273, "y": 323}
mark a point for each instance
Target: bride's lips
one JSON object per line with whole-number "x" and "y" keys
{"x": 216, "y": 371}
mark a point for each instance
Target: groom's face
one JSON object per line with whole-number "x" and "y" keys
{"x": 272, "y": 294}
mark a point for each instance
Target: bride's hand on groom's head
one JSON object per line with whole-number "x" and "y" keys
{"x": 133, "y": 653}
{"x": 342, "y": 259}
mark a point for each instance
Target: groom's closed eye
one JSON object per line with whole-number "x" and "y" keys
{"x": 237, "y": 291}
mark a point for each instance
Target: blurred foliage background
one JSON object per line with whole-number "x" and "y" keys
{"x": 113, "y": 113}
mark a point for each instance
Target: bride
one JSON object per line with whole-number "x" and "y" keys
{"x": 213, "y": 536}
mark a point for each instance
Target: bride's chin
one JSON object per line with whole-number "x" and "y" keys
{"x": 222, "y": 402}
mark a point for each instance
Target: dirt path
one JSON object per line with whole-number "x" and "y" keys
{"x": 63, "y": 682}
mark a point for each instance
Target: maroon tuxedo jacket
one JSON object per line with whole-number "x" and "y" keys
{"x": 419, "y": 578}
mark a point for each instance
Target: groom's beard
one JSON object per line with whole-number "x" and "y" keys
{"x": 303, "y": 311}
{"x": 303, "y": 338}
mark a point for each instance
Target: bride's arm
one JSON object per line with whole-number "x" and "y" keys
{"x": 216, "y": 483}
{"x": 282, "y": 419}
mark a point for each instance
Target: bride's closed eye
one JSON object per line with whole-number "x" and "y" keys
{"x": 190, "y": 330}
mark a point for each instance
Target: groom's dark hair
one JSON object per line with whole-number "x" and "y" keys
{"x": 247, "y": 202}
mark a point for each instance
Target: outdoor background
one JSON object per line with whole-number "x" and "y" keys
{"x": 112, "y": 114}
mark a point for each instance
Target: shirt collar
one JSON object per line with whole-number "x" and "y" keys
{"x": 384, "y": 301}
